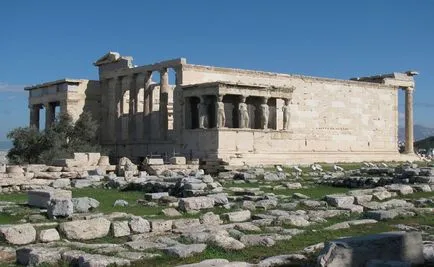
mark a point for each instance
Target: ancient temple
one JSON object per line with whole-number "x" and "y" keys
{"x": 233, "y": 115}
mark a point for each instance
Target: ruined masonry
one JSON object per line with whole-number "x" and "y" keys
{"x": 234, "y": 116}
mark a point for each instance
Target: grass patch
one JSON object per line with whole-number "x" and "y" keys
{"x": 20, "y": 198}
{"x": 297, "y": 243}
{"x": 107, "y": 198}
{"x": 316, "y": 192}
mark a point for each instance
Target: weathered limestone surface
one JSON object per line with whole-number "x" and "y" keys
{"x": 208, "y": 113}
{"x": 85, "y": 229}
{"x": 19, "y": 234}
{"x": 42, "y": 198}
{"x": 49, "y": 235}
{"x": 347, "y": 252}
{"x": 196, "y": 203}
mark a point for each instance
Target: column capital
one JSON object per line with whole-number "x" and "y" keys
{"x": 163, "y": 71}
{"x": 287, "y": 101}
{"x": 243, "y": 98}
{"x": 220, "y": 97}
{"x": 409, "y": 89}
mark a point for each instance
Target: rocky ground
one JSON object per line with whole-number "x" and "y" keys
{"x": 248, "y": 217}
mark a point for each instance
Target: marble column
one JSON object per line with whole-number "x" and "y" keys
{"x": 116, "y": 86}
{"x": 34, "y": 115}
{"x": 125, "y": 106}
{"x": 112, "y": 105}
{"x": 409, "y": 136}
{"x": 49, "y": 114}
{"x": 220, "y": 112}
{"x": 147, "y": 104}
{"x": 243, "y": 113}
{"x": 265, "y": 113}
{"x": 139, "y": 97}
{"x": 164, "y": 101}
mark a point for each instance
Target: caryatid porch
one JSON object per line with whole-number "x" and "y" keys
{"x": 225, "y": 105}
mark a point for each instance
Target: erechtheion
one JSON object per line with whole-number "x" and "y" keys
{"x": 232, "y": 115}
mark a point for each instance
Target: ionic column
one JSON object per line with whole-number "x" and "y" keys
{"x": 220, "y": 112}
{"x": 118, "y": 97}
{"x": 243, "y": 113}
{"x": 139, "y": 85}
{"x": 265, "y": 113}
{"x": 409, "y": 136}
{"x": 112, "y": 106}
{"x": 147, "y": 104}
{"x": 125, "y": 107}
{"x": 164, "y": 101}
{"x": 34, "y": 116}
{"x": 49, "y": 114}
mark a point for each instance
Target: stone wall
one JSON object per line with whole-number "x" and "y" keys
{"x": 346, "y": 119}
{"x": 330, "y": 119}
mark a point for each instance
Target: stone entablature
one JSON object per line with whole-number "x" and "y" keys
{"x": 243, "y": 115}
{"x": 70, "y": 95}
{"x": 220, "y": 99}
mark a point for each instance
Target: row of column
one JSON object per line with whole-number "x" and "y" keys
{"x": 50, "y": 113}
{"x": 134, "y": 126}
{"x": 243, "y": 113}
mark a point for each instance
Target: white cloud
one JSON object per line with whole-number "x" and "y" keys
{"x": 14, "y": 88}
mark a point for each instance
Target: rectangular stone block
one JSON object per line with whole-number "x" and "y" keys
{"x": 36, "y": 168}
{"x": 155, "y": 196}
{"x": 82, "y": 157}
{"x": 154, "y": 161}
{"x": 356, "y": 251}
{"x": 178, "y": 160}
{"x": 41, "y": 198}
{"x": 93, "y": 159}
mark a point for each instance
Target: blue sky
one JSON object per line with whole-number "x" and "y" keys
{"x": 48, "y": 40}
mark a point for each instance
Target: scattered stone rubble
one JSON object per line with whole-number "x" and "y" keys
{"x": 230, "y": 217}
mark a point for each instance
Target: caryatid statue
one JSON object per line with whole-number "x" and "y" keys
{"x": 221, "y": 117}
{"x": 243, "y": 113}
{"x": 265, "y": 113}
{"x": 286, "y": 114}
{"x": 202, "y": 110}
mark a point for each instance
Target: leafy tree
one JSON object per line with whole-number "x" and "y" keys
{"x": 57, "y": 136}
{"x": 84, "y": 136}
{"x": 61, "y": 140}
{"x": 28, "y": 144}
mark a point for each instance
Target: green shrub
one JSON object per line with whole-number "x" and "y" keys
{"x": 61, "y": 140}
